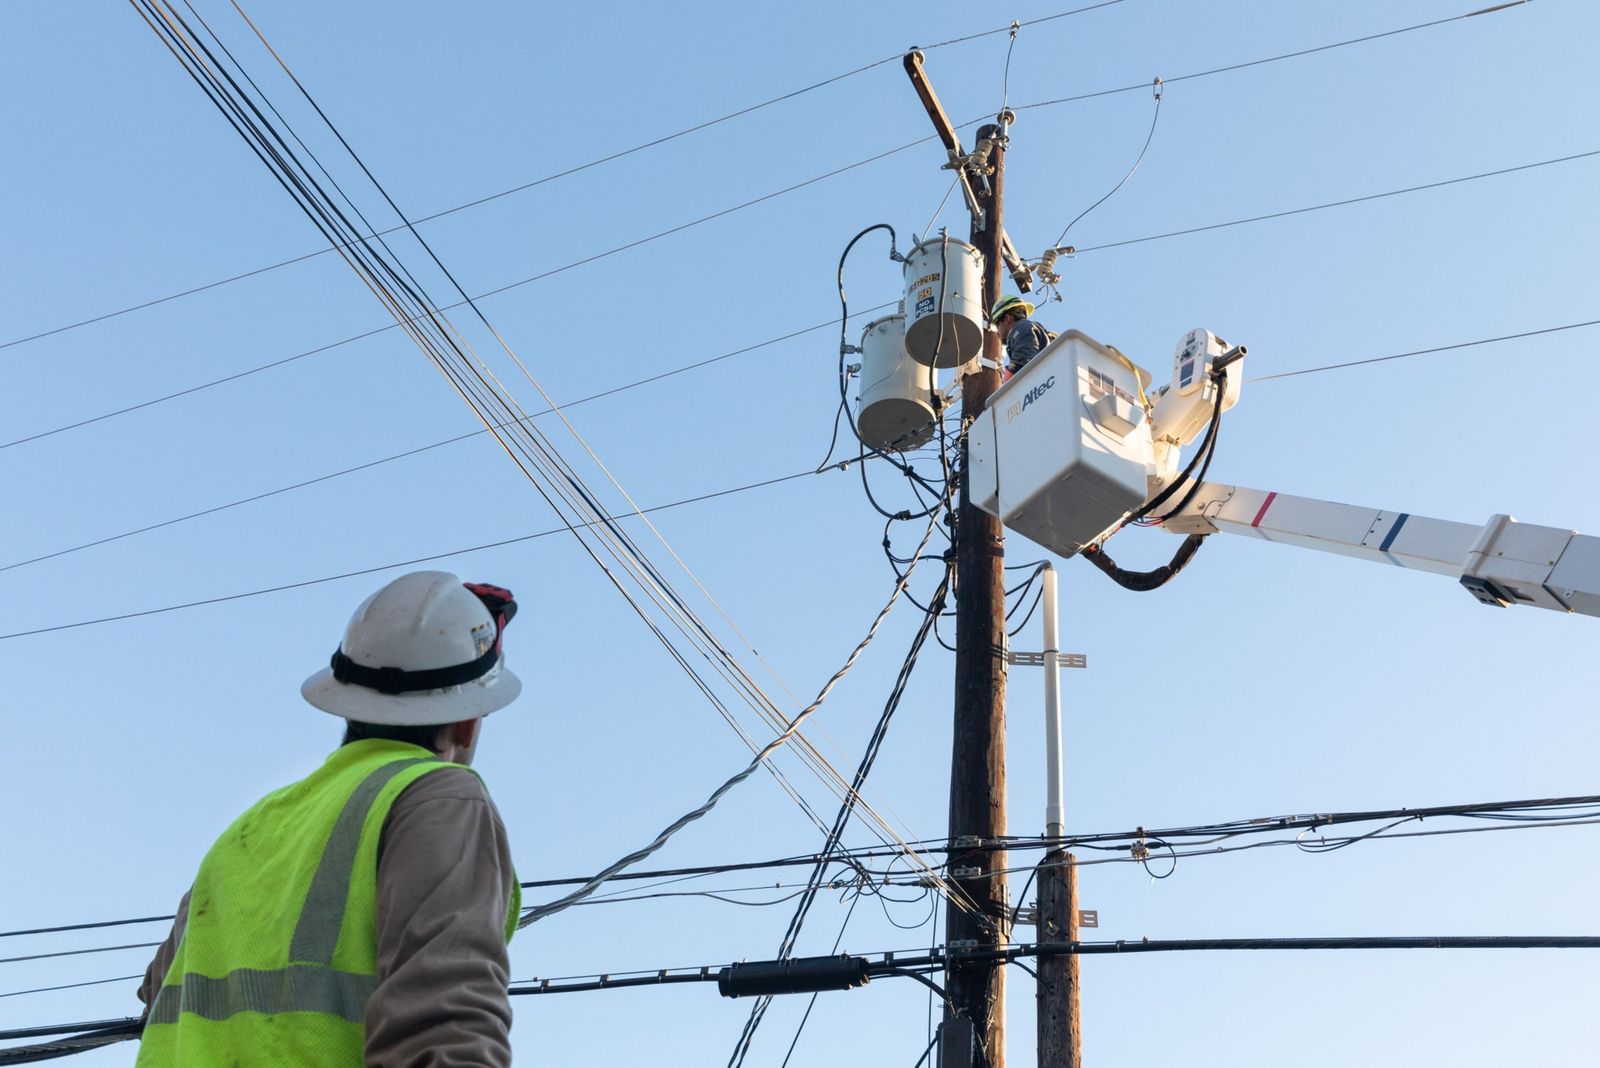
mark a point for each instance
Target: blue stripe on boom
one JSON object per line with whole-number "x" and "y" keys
{"x": 1394, "y": 531}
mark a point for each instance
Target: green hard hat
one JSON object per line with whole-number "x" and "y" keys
{"x": 1006, "y": 304}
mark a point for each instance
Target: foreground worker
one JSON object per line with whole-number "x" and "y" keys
{"x": 1022, "y": 336}
{"x": 361, "y": 915}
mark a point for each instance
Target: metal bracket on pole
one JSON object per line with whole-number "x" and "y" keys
{"x": 1063, "y": 660}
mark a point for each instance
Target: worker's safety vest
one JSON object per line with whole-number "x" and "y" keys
{"x": 279, "y": 953}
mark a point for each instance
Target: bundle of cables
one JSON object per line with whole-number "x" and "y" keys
{"x": 1193, "y": 476}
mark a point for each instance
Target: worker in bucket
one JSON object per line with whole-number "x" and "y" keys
{"x": 1022, "y": 336}
{"x": 361, "y": 915}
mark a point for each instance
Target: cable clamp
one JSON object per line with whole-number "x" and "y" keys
{"x": 1157, "y": 87}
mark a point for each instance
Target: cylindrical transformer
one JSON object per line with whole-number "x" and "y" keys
{"x": 944, "y": 302}
{"x": 896, "y": 410}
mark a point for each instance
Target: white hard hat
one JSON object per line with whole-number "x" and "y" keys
{"x": 424, "y": 649}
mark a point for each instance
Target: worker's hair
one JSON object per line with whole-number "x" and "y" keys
{"x": 426, "y": 736}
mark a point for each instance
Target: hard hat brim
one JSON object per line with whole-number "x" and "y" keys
{"x": 470, "y": 700}
{"x": 1026, "y": 308}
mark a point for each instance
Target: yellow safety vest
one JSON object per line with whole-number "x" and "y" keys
{"x": 279, "y": 954}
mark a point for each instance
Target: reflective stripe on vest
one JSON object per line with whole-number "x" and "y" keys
{"x": 309, "y": 983}
{"x": 297, "y": 988}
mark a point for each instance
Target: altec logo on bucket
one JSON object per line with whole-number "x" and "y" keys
{"x": 1029, "y": 397}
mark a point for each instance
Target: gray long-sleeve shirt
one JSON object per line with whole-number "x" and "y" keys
{"x": 444, "y": 887}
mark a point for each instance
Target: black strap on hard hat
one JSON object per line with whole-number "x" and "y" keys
{"x": 392, "y": 680}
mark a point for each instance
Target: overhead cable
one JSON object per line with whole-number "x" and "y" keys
{"x": 1021, "y": 107}
{"x": 1443, "y": 183}
{"x": 830, "y": 845}
{"x": 1422, "y": 352}
{"x": 539, "y": 912}
{"x": 897, "y": 963}
{"x": 71, "y": 986}
{"x": 1229, "y": 68}
{"x": 1522, "y": 814}
{"x": 1342, "y": 203}
{"x": 642, "y": 585}
{"x": 395, "y": 565}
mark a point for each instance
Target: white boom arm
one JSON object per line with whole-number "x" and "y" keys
{"x": 1501, "y": 563}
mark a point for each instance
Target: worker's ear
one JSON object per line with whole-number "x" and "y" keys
{"x": 464, "y": 735}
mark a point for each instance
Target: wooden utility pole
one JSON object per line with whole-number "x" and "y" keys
{"x": 1060, "y": 1040}
{"x": 978, "y": 753}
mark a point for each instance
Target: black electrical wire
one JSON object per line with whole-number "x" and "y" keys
{"x": 1202, "y": 457}
{"x": 1144, "y": 581}
{"x": 86, "y": 1037}
{"x": 84, "y": 926}
{"x": 901, "y": 965}
{"x": 1322, "y": 845}
{"x": 78, "y": 952}
{"x": 1336, "y": 203}
{"x": 399, "y": 564}
{"x": 812, "y": 1003}
{"x": 1422, "y": 352}
{"x": 71, "y": 986}
{"x": 1154, "y": 118}
{"x": 924, "y": 1058}
{"x": 1549, "y": 811}
{"x": 915, "y": 967}
{"x": 1264, "y": 60}
{"x": 567, "y": 172}
{"x": 841, "y": 820}
{"x": 1091, "y": 248}
{"x": 397, "y": 288}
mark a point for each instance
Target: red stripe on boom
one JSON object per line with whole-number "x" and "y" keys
{"x": 1256, "y": 522}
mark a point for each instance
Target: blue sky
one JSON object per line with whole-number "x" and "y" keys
{"x": 1265, "y": 680}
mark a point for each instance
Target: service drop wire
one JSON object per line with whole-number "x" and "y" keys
{"x": 1156, "y": 87}
{"x": 539, "y": 912}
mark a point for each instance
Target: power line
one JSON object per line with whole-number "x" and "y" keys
{"x": 1269, "y": 59}
{"x": 634, "y": 244}
{"x": 757, "y": 345}
{"x": 554, "y": 176}
{"x": 1423, "y": 352}
{"x": 70, "y": 986}
{"x": 78, "y": 952}
{"x": 1342, "y": 203}
{"x": 631, "y": 385}
{"x": 402, "y": 563}
{"x": 643, "y": 586}
{"x": 386, "y": 459}
{"x": 1524, "y": 812}
{"x": 889, "y": 963}
{"x": 83, "y": 926}
{"x": 894, "y": 963}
